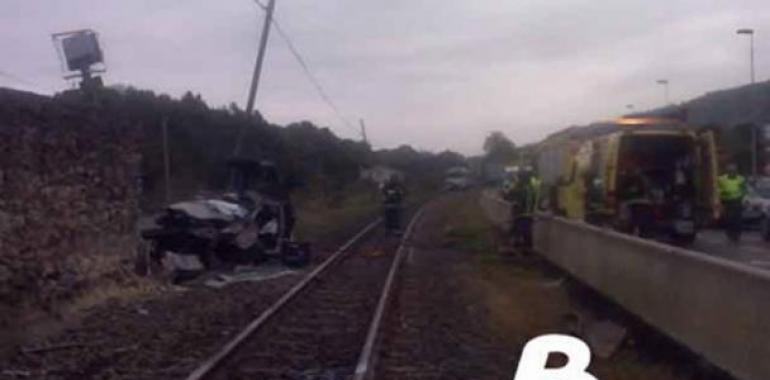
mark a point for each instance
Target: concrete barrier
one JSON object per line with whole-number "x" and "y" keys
{"x": 718, "y": 308}
{"x": 496, "y": 209}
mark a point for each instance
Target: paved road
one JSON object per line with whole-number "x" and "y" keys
{"x": 751, "y": 249}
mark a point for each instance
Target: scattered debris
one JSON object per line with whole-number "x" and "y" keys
{"x": 604, "y": 337}
{"x": 553, "y": 283}
{"x": 255, "y": 274}
{"x": 176, "y": 262}
{"x": 572, "y": 323}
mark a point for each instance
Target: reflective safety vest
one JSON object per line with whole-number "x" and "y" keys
{"x": 731, "y": 189}
{"x": 532, "y": 197}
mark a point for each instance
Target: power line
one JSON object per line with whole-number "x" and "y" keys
{"x": 36, "y": 86}
{"x": 306, "y": 69}
{"x": 17, "y": 79}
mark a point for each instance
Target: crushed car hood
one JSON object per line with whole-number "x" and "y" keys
{"x": 211, "y": 209}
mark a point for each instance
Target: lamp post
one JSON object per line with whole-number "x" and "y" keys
{"x": 664, "y": 83}
{"x": 750, "y": 33}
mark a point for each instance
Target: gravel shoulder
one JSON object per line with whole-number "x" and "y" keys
{"x": 466, "y": 305}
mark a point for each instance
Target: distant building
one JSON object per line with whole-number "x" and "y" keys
{"x": 458, "y": 171}
{"x": 380, "y": 174}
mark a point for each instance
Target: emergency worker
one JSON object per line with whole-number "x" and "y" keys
{"x": 526, "y": 200}
{"x": 732, "y": 190}
{"x": 509, "y": 195}
{"x": 636, "y": 205}
{"x": 392, "y": 196}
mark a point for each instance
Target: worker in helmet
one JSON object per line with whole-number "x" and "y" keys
{"x": 732, "y": 190}
{"x": 526, "y": 201}
{"x": 392, "y": 194}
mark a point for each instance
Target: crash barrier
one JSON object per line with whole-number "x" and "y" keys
{"x": 718, "y": 308}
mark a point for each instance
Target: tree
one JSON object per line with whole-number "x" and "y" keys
{"x": 498, "y": 148}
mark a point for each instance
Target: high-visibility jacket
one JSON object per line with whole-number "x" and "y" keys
{"x": 731, "y": 188}
{"x": 509, "y": 192}
{"x": 532, "y": 195}
{"x": 392, "y": 193}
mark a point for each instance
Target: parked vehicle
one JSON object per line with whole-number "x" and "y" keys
{"x": 757, "y": 200}
{"x": 246, "y": 226}
{"x": 457, "y": 178}
{"x": 757, "y": 205}
{"x": 646, "y": 176}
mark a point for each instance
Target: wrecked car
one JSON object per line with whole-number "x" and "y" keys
{"x": 246, "y": 226}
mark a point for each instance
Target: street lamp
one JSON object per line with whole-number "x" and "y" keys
{"x": 664, "y": 83}
{"x": 750, "y": 33}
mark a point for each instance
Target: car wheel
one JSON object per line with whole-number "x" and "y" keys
{"x": 766, "y": 228}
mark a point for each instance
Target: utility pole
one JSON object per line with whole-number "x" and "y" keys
{"x": 257, "y": 69}
{"x": 664, "y": 83}
{"x": 363, "y": 131}
{"x": 754, "y": 149}
{"x": 750, "y": 33}
{"x": 166, "y": 161}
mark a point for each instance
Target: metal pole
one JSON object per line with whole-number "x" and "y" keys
{"x": 750, "y": 33}
{"x": 363, "y": 131}
{"x": 754, "y": 152}
{"x": 664, "y": 83}
{"x": 753, "y": 78}
{"x": 257, "y": 70}
{"x": 166, "y": 160}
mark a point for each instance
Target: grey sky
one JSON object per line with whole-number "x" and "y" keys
{"x": 432, "y": 73}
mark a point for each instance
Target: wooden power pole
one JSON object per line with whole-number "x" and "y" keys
{"x": 257, "y": 70}
{"x": 363, "y": 131}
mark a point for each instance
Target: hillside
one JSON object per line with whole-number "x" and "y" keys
{"x": 731, "y": 107}
{"x": 732, "y": 112}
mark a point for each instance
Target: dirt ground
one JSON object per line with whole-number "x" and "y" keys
{"x": 150, "y": 330}
{"x": 466, "y": 306}
{"x": 463, "y": 309}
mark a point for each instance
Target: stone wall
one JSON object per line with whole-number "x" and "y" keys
{"x": 68, "y": 199}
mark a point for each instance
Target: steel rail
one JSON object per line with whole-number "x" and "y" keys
{"x": 213, "y": 362}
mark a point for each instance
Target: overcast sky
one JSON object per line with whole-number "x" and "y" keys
{"x": 437, "y": 74}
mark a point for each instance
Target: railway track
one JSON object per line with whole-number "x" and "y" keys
{"x": 326, "y": 326}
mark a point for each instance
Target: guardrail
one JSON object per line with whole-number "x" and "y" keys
{"x": 718, "y": 308}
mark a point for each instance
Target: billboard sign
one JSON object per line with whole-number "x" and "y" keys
{"x": 81, "y": 50}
